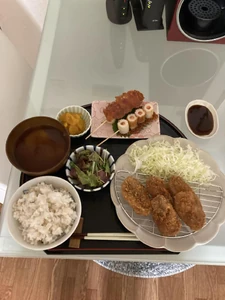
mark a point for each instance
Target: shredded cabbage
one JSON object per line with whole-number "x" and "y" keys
{"x": 164, "y": 160}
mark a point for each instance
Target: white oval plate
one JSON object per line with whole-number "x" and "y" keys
{"x": 179, "y": 244}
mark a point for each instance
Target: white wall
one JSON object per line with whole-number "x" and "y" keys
{"x": 22, "y": 22}
{"x": 15, "y": 76}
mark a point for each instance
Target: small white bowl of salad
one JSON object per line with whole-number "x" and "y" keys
{"x": 90, "y": 168}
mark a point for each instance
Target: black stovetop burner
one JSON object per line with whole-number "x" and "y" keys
{"x": 203, "y": 19}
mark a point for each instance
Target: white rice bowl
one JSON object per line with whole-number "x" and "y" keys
{"x": 43, "y": 213}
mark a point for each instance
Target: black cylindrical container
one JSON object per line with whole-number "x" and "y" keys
{"x": 118, "y": 11}
{"x": 152, "y": 14}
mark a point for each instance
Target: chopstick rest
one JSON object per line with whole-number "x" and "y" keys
{"x": 74, "y": 242}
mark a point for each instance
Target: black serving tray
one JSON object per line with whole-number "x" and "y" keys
{"x": 98, "y": 210}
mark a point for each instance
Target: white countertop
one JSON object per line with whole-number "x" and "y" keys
{"x": 22, "y": 22}
{"x": 83, "y": 57}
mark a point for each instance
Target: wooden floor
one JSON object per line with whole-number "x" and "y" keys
{"x": 47, "y": 279}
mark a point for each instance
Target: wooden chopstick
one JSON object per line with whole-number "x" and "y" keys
{"x": 108, "y": 138}
{"x": 111, "y": 234}
{"x": 96, "y": 129}
{"x": 111, "y": 238}
{"x": 105, "y": 236}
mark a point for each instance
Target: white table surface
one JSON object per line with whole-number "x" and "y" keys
{"x": 22, "y": 22}
{"x": 83, "y": 57}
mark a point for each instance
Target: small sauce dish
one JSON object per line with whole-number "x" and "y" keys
{"x": 201, "y": 119}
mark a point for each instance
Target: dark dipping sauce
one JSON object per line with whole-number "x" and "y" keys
{"x": 40, "y": 148}
{"x": 200, "y": 120}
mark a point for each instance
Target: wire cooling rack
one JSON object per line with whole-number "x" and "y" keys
{"x": 210, "y": 196}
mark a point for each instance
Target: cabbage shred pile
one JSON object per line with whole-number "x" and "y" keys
{"x": 165, "y": 160}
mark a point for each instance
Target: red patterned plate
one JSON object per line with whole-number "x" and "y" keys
{"x": 106, "y": 130}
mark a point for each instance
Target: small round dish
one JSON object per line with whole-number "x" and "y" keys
{"x": 80, "y": 110}
{"x": 14, "y": 225}
{"x": 38, "y": 146}
{"x": 213, "y": 111}
{"x": 105, "y": 155}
